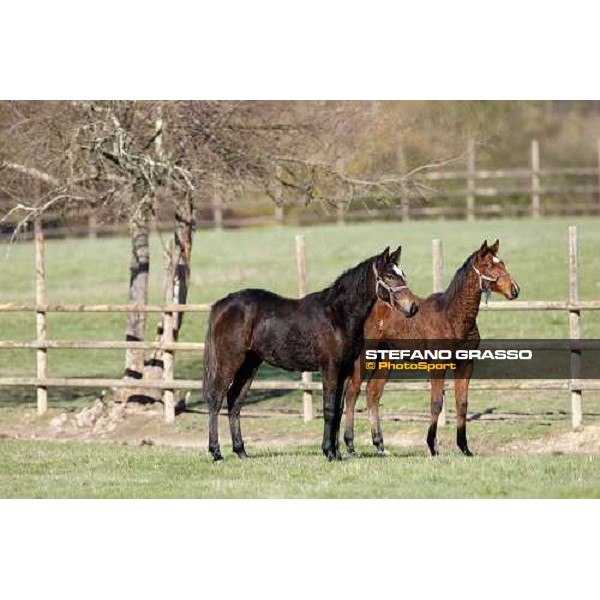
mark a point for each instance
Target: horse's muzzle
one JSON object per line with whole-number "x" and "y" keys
{"x": 411, "y": 310}
{"x": 405, "y": 301}
{"x": 515, "y": 290}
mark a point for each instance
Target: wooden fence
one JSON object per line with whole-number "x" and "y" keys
{"x": 168, "y": 384}
{"x": 467, "y": 192}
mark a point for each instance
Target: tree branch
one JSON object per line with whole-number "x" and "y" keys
{"x": 30, "y": 172}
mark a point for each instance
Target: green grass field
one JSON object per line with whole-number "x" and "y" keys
{"x": 52, "y": 470}
{"x": 96, "y": 271}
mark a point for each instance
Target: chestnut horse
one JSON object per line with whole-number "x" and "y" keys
{"x": 451, "y": 315}
{"x": 322, "y": 331}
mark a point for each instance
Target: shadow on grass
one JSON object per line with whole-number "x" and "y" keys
{"x": 317, "y": 453}
{"x": 476, "y": 416}
{"x": 58, "y": 397}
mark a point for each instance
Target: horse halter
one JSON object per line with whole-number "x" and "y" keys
{"x": 486, "y": 289}
{"x": 391, "y": 290}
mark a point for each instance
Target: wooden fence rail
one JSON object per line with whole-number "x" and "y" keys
{"x": 292, "y": 385}
{"x": 103, "y": 308}
{"x": 100, "y": 345}
{"x": 168, "y": 384}
{"x": 515, "y": 305}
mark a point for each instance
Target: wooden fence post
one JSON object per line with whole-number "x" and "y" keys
{"x": 279, "y": 215}
{"x": 92, "y": 225}
{"x": 471, "y": 179}
{"x": 217, "y": 206}
{"x": 40, "y": 317}
{"x": 404, "y": 199}
{"x": 340, "y": 202}
{"x": 575, "y": 328}
{"x": 438, "y": 266}
{"x": 438, "y": 286}
{"x": 405, "y": 207}
{"x": 598, "y": 175}
{"x": 340, "y": 212}
{"x": 535, "y": 179}
{"x": 307, "y": 395}
{"x": 167, "y": 338}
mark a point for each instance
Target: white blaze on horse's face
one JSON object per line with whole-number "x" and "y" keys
{"x": 496, "y": 260}
{"x": 398, "y": 271}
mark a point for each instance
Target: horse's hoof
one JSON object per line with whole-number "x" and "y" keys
{"x": 432, "y": 444}
{"x": 242, "y": 454}
{"x": 382, "y": 453}
{"x": 351, "y": 452}
{"x": 217, "y": 458}
{"x": 466, "y": 452}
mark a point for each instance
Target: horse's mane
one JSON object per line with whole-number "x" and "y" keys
{"x": 443, "y": 299}
{"x": 347, "y": 286}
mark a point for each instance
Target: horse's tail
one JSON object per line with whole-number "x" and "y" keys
{"x": 209, "y": 390}
{"x": 208, "y": 381}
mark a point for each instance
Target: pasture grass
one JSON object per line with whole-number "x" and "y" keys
{"x": 36, "y": 469}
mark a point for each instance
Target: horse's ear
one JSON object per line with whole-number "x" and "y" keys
{"x": 383, "y": 258}
{"x": 484, "y": 249}
{"x": 495, "y": 247}
{"x": 395, "y": 255}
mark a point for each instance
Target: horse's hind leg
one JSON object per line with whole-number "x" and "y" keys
{"x": 437, "y": 402}
{"x": 332, "y": 409}
{"x": 223, "y": 363}
{"x": 214, "y": 399}
{"x": 374, "y": 392}
{"x": 462, "y": 378}
{"x": 351, "y": 395}
{"x": 235, "y": 398}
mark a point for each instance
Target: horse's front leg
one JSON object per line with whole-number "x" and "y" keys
{"x": 437, "y": 403}
{"x": 339, "y": 411}
{"x": 374, "y": 392}
{"x": 462, "y": 377}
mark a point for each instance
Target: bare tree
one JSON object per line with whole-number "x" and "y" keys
{"x": 124, "y": 158}
{"x": 104, "y": 155}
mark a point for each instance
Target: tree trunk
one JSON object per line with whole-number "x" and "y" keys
{"x": 184, "y": 227}
{"x": 184, "y": 224}
{"x": 138, "y": 291}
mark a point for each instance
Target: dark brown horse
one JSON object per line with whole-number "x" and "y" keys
{"x": 451, "y": 315}
{"x": 320, "y": 332}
